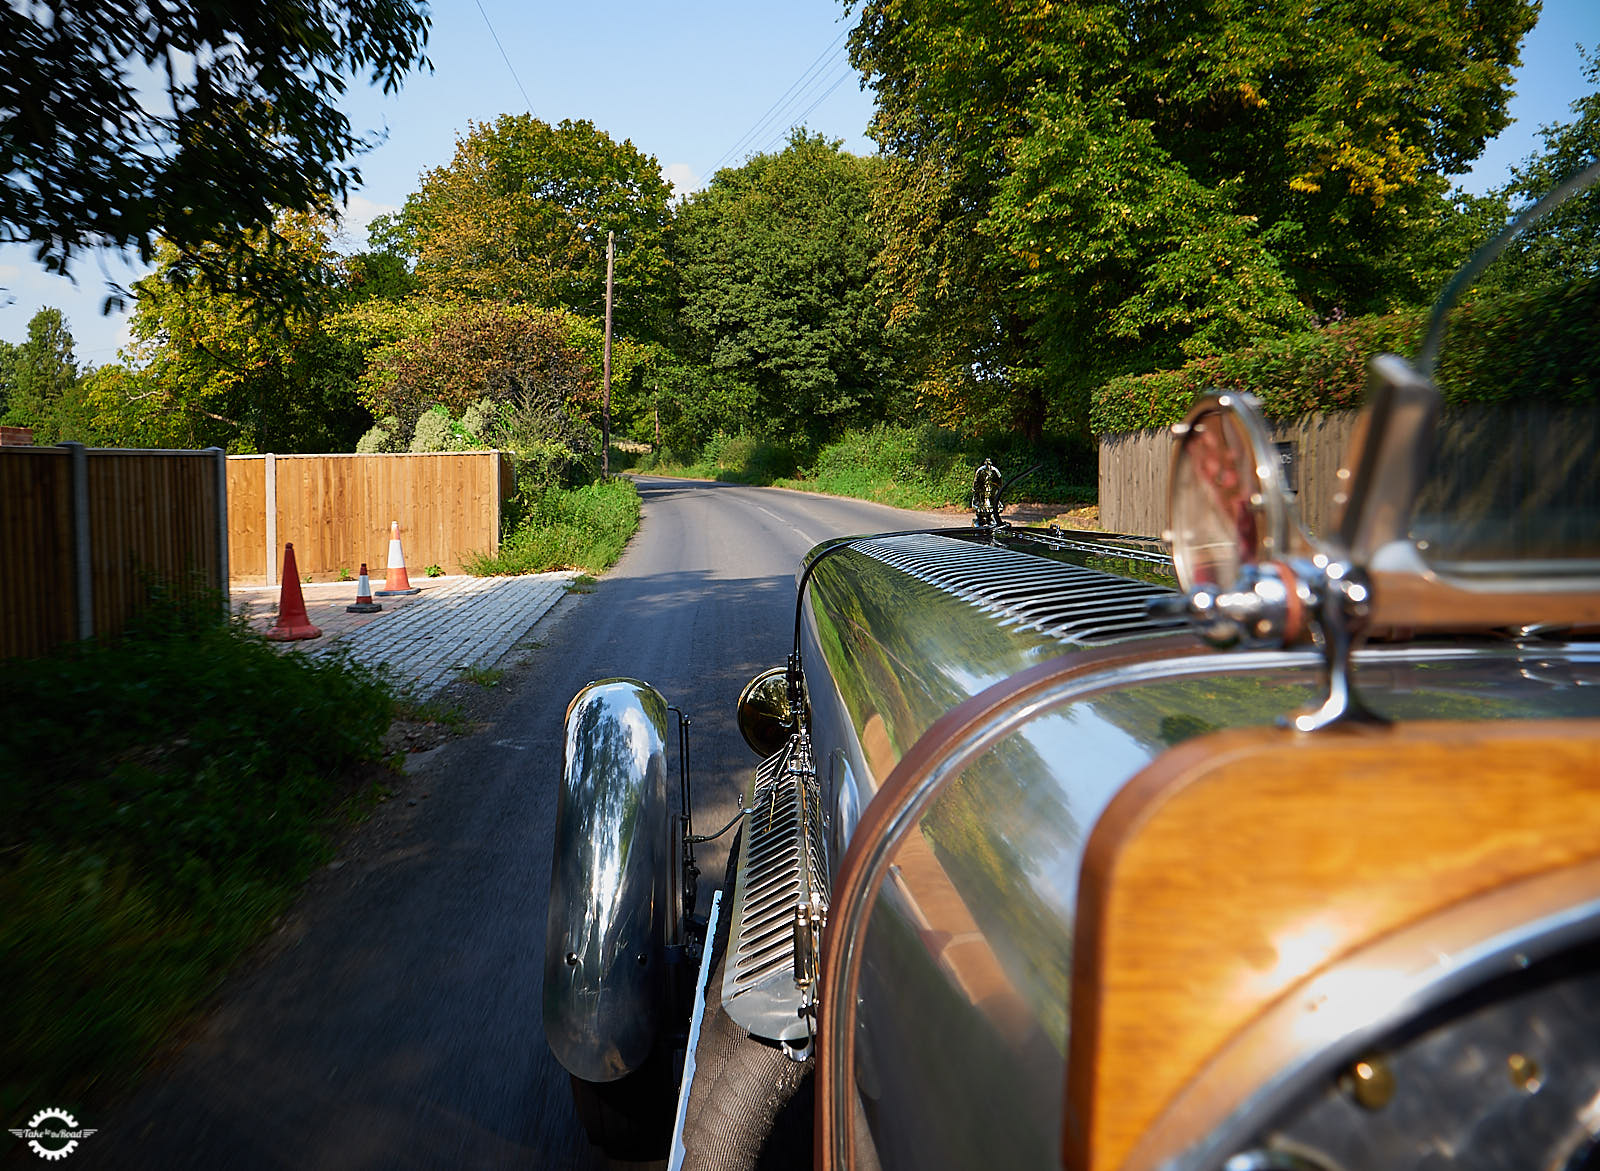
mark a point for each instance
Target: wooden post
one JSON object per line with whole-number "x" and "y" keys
{"x": 270, "y": 521}
{"x": 605, "y": 400}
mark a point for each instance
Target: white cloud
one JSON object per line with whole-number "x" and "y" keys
{"x": 359, "y": 212}
{"x": 683, "y": 179}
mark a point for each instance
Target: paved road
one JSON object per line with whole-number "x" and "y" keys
{"x": 393, "y": 1021}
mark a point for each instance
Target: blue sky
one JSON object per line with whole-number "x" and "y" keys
{"x": 696, "y": 85}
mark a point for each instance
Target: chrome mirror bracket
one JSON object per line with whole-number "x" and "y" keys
{"x": 1281, "y": 603}
{"x": 1342, "y": 612}
{"x": 1266, "y": 607}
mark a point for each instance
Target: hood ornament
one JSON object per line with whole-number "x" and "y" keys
{"x": 986, "y": 502}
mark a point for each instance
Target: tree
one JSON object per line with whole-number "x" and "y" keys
{"x": 8, "y": 373}
{"x": 477, "y": 374}
{"x": 1075, "y": 189}
{"x": 1566, "y": 244}
{"x": 521, "y": 215}
{"x": 42, "y": 370}
{"x": 775, "y": 261}
{"x": 421, "y": 354}
{"x": 245, "y": 122}
{"x": 215, "y": 373}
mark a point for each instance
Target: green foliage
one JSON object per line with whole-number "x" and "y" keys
{"x": 8, "y": 374}
{"x": 212, "y": 372}
{"x": 1075, "y": 190}
{"x": 751, "y": 458}
{"x": 1567, "y": 242}
{"x": 436, "y": 431}
{"x": 521, "y": 215}
{"x": 1543, "y": 344}
{"x": 584, "y": 528}
{"x": 480, "y": 374}
{"x": 907, "y": 466}
{"x": 160, "y": 798}
{"x": 778, "y": 299}
{"x": 378, "y": 275}
{"x": 37, "y": 374}
{"x": 243, "y": 119}
{"x": 931, "y": 467}
{"x": 1159, "y": 266}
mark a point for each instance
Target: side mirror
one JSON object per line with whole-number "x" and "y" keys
{"x": 766, "y": 717}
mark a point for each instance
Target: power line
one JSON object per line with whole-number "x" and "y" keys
{"x": 806, "y": 113}
{"x": 505, "y": 57}
{"x": 791, "y": 97}
{"x": 802, "y": 83}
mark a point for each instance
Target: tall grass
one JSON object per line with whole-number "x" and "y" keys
{"x": 909, "y": 467}
{"x": 581, "y": 528}
{"x": 161, "y": 798}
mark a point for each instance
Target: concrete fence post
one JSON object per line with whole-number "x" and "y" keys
{"x": 82, "y": 576}
{"x": 220, "y": 457}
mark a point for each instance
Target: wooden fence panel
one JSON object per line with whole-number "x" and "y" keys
{"x": 155, "y": 521}
{"x": 336, "y": 511}
{"x": 37, "y": 599}
{"x": 247, "y": 518}
{"x": 146, "y": 517}
{"x": 1510, "y": 482}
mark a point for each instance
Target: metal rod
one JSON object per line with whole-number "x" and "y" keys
{"x": 733, "y": 821}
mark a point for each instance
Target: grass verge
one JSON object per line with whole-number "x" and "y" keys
{"x": 909, "y": 467}
{"x": 162, "y": 798}
{"x": 582, "y": 528}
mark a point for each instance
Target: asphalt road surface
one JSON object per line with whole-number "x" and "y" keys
{"x": 393, "y": 1021}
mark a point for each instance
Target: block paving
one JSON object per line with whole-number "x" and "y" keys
{"x": 427, "y": 639}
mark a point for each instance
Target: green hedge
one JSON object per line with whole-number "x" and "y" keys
{"x": 1543, "y": 345}
{"x": 162, "y": 797}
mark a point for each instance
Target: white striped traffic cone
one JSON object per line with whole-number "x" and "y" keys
{"x": 397, "y": 581}
{"x": 364, "y": 603}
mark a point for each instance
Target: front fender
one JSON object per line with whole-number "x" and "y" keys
{"x": 604, "y": 972}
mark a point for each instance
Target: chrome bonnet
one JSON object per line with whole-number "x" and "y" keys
{"x": 609, "y": 899}
{"x": 1074, "y": 602}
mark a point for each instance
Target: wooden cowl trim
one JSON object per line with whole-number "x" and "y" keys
{"x": 1240, "y": 864}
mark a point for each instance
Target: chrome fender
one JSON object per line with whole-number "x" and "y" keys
{"x": 604, "y": 968}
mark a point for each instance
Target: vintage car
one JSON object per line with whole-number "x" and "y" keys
{"x": 1245, "y": 849}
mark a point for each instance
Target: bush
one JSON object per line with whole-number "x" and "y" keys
{"x": 928, "y": 467}
{"x": 909, "y": 467}
{"x": 161, "y": 797}
{"x": 584, "y": 528}
{"x": 748, "y": 459}
{"x": 1541, "y": 345}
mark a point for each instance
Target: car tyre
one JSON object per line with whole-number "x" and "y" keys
{"x": 630, "y": 1118}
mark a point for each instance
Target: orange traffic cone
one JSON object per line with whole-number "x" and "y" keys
{"x": 364, "y": 603}
{"x": 293, "y": 621}
{"x": 397, "y": 581}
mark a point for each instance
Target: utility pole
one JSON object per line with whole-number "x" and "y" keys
{"x": 605, "y": 402}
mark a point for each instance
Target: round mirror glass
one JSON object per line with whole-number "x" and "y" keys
{"x": 1226, "y": 507}
{"x": 766, "y": 718}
